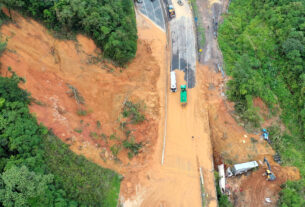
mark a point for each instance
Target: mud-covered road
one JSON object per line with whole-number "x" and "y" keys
{"x": 176, "y": 182}
{"x": 183, "y": 42}
{"x": 210, "y": 14}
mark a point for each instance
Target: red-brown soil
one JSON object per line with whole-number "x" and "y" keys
{"x": 49, "y": 64}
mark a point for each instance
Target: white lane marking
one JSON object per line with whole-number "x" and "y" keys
{"x": 145, "y": 9}
{"x": 179, "y": 60}
{"x": 186, "y": 52}
{"x": 154, "y": 12}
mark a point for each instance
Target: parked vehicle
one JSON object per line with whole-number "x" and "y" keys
{"x": 183, "y": 95}
{"x": 170, "y": 9}
{"x": 173, "y": 81}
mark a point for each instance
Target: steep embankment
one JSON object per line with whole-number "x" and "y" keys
{"x": 49, "y": 65}
{"x": 263, "y": 48}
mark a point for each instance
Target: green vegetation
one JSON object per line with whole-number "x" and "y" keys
{"x": 115, "y": 149}
{"x": 223, "y": 200}
{"x": 199, "y": 25}
{"x": 78, "y": 130}
{"x": 263, "y": 48}
{"x": 111, "y": 24}
{"x": 132, "y": 146}
{"x": 94, "y": 135}
{"x": 98, "y": 124}
{"x": 37, "y": 169}
{"x": 81, "y": 112}
{"x": 133, "y": 111}
{"x": 73, "y": 92}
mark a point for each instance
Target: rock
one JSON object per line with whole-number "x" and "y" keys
{"x": 106, "y": 154}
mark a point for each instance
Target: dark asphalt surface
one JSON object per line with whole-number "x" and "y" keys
{"x": 153, "y": 11}
{"x": 182, "y": 35}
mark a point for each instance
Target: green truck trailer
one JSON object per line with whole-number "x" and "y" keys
{"x": 183, "y": 95}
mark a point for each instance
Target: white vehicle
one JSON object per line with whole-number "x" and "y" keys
{"x": 173, "y": 81}
{"x": 243, "y": 167}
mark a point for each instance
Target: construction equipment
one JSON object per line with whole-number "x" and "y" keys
{"x": 265, "y": 134}
{"x": 269, "y": 173}
{"x": 183, "y": 95}
{"x": 171, "y": 10}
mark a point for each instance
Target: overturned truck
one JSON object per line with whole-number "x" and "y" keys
{"x": 241, "y": 168}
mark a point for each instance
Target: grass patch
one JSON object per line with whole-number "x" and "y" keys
{"x": 78, "y": 130}
{"x": 199, "y": 25}
{"x": 115, "y": 149}
{"x": 93, "y": 135}
{"x": 81, "y": 112}
{"x": 98, "y": 124}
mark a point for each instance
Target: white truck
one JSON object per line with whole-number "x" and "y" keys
{"x": 173, "y": 81}
{"x": 241, "y": 168}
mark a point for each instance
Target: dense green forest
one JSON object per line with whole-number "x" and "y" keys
{"x": 36, "y": 168}
{"x": 263, "y": 44}
{"x": 111, "y": 23}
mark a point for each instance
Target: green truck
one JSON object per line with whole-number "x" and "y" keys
{"x": 183, "y": 95}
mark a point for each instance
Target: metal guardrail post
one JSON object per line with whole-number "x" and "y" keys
{"x": 202, "y": 187}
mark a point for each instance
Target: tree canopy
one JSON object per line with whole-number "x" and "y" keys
{"x": 36, "y": 168}
{"x": 111, "y": 23}
{"x": 263, "y": 45}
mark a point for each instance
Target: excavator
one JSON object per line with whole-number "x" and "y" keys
{"x": 269, "y": 173}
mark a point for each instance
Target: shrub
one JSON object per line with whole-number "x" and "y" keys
{"x": 133, "y": 111}
{"x": 132, "y": 146}
{"x": 81, "y": 112}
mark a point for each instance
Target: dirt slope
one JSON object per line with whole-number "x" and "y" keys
{"x": 48, "y": 65}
